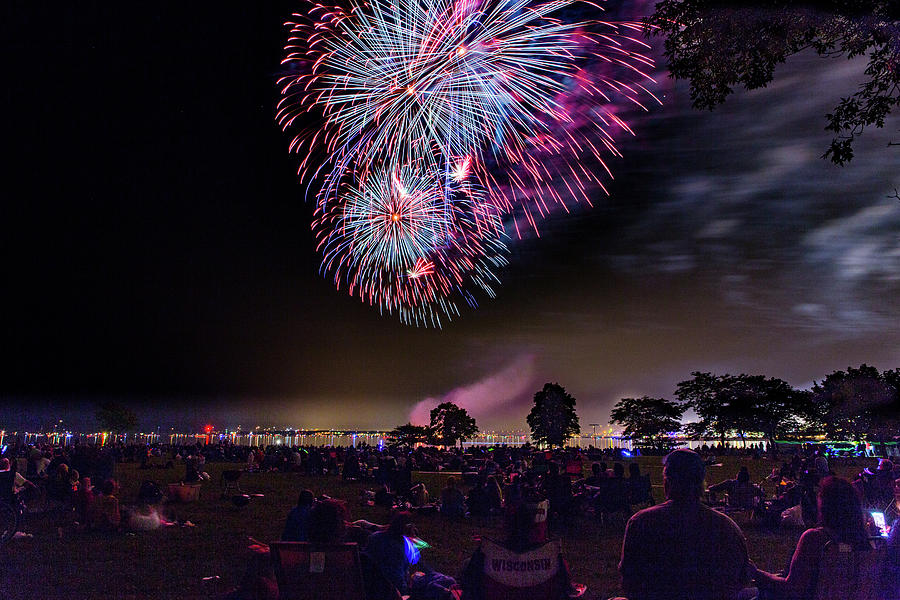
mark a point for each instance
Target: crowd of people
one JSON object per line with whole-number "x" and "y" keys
{"x": 685, "y": 548}
{"x": 77, "y": 487}
{"x": 681, "y": 545}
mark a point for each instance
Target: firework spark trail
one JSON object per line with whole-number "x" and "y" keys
{"x": 395, "y": 78}
{"x": 394, "y": 219}
{"x": 407, "y": 243}
{"x": 437, "y": 119}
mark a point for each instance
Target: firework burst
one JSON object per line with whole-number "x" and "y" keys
{"x": 428, "y": 123}
{"x": 412, "y": 242}
{"x": 393, "y": 78}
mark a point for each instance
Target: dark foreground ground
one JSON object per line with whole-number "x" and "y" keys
{"x": 173, "y": 562}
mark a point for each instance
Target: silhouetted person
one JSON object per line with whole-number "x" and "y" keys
{"x": 452, "y": 500}
{"x": 640, "y": 489}
{"x": 889, "y": 575}
{"x": 597, "y": 473}
{"x": 742, "y": 493}
{"x": 296, "y": 528}
{"x": 840, "y": 521}
{"x": 681, "y": 549}
{"x": 387, "y": 550}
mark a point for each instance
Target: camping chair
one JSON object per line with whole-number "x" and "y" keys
{"x": 307, "y": 571}
{"x": 230, "y": 482}
{"x": 742, "y": 500}
{"x": 536, "y": 573}
{"x": 640, "y": 491}
{"x": 575, "y": 468}
{"x": 610, "y": 498}
{"x": 849, "y": 574}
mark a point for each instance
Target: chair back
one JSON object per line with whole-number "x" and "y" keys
{"x": 510, "y": 575}
{"x": 612, "y": 495}
{"x": 307, "y": 571}
{"x": 847, "y": 574}
{"x": 640, "y": 490}
{"x": 743, "y": 497}
{"x": 575, "y": 467}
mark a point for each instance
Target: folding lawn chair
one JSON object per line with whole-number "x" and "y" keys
{"x": 307, "y": 571}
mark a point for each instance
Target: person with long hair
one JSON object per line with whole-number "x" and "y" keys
{"x": 388, "y": 551}
{"x": 840, "y": 521}
{"x": 327, "y": 522}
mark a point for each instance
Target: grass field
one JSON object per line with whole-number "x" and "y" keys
{"x": 172, "y": 562}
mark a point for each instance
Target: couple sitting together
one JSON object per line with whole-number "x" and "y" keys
{"x": 684, "y": 550}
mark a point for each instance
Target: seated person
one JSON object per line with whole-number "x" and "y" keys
{"x": 296, "y": 527}
{"x": 682, "y": 549}
{"x": 613, "y": 495}
{"x": 519, "y": 538}
{"x": 889, "y": 571}
{"x": 640, "y": 489}
{"x": 787, "y": 495}
{"x": 742, "y": 494}
{"x": 384, "y": 497}
{"x": 59, "y": 487}
{"x": 452, "y": 500}
{"x": 513, "y": 491}
{"x": 387, "y": 551}
{"x": 327, "y": 522}
{"x": 146, "y": 517}
{"x": 558, "y": 489}
{"x": 478, "y": 502}
{"x": 840, "y": 520}
{"x": 8, "y": 479}
{"x": 418, "y": 494}
{"x": 351, "y": 471}
{"x": 598, "y": 473}
{"x": 821, "y": 465}
{"x": 191, "y": 470}
{"x": 15, "y": 486}
{"x": 85, "y": 502}
{"x": 883, "y": 484}
{"x": 149, "y": 493}
{"x": 108, "y": 515}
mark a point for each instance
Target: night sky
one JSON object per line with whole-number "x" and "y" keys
{"x": 156, "y": 244}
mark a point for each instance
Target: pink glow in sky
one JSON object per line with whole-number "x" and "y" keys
{"x": 496, "y": 395}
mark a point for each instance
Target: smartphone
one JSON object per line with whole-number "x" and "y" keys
{"x": 880, "y": 523}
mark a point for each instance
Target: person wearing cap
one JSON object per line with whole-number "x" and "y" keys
{"x": 682, "y": 549}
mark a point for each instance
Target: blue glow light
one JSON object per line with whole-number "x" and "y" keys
{"x": 412, "y": 552}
